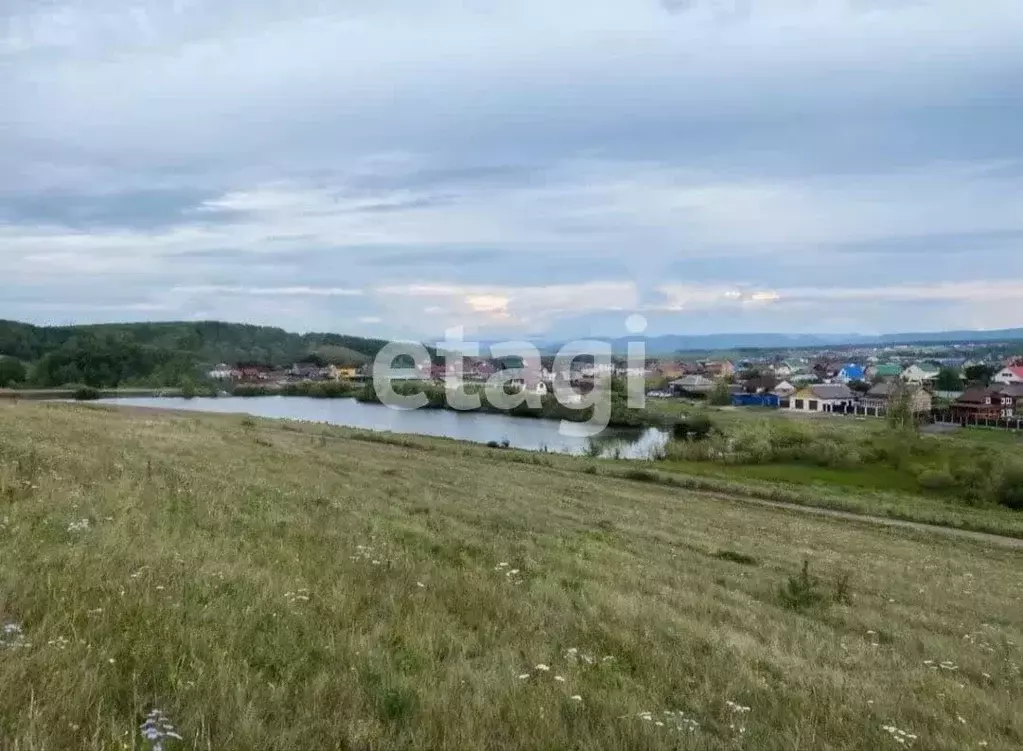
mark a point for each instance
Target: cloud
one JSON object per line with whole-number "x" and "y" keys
{"x": 522, "y": 309}
{"x": 214, "y": 289}
{"x": 681, "y": 297}
{"x": 218, "y": 157}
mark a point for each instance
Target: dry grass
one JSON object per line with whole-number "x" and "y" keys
{"x": 274, "y": 586}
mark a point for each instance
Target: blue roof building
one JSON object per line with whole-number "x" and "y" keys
{"x": 851, "y": 372}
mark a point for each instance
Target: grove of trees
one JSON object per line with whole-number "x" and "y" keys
{"x": 158, "y": 354}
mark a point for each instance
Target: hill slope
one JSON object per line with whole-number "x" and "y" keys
{"x": 273, "y": 585}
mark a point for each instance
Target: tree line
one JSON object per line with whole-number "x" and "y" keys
{"x": 158, "y": 354}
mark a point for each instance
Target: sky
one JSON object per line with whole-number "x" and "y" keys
{"x": 544, "y": 169}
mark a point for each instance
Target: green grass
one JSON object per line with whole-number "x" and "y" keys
{"x": 284, "y": 586}
{"x": 876, "y": 478}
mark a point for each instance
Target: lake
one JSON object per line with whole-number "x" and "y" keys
{"x": 521, "y": 432}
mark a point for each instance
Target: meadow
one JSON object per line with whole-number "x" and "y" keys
{"x": 271, "y": 585}
{"x": 974, "y": 467}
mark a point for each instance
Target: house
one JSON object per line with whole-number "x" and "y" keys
{"x": 920, "y": 373}
{"x": 978, "y": 403}
{"x": 222, "y": 372}
{"x": 692, "y": 384}
{"x": 834, "y": 397}
{"x": 784, "y": 370}
{"x": 883, "y": 371}
{"x": 346, "y": 373}
{"x": 254, "y": 373}
{"x": 1012, "y": 398}
{"x": 723, "y": 369}
{"x": 1008, "y": 375}
{"x": 760, "y": 384}
{"x": 529, "y": 383}
{"x": 850, "y": 372}
{"x": 784, "y": 389}
{"x": 305, "y": 371}
{"x": 828, "y": 369}
{"x": 329, "y": 372}
{"x": 880, "y": 396}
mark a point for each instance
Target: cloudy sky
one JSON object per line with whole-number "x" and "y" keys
{"x": 536, "y": 167}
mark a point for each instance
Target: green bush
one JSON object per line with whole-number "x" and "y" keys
{"x": 801, "y": 591}
{"x": 86, "y": 393}
{"x": 936, "y": 479}
{"x": 12, "y": 372}
{"x": 700, "y": 426}
{"x": 642, "y": 475}
{"x": 734, "y": 557}
{"x": 720, "y": 395}
{"x": 1010, "y": 489}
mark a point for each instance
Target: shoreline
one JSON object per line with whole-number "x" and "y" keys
{"x": 50, "y": 394}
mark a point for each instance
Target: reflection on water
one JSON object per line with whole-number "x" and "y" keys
{"x": 519, "y": 432}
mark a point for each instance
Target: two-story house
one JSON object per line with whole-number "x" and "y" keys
{"x": 879, "y": 397}
{"x": 1012, "y": 398}
{"x": 978, "y": 403}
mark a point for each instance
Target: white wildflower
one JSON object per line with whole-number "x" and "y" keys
{"x": 524, "y": 676}
{"x": 13, "y": 637}
{"x": 559, "y": 678}
{"x": 157, "y": 729}
{"x": 78, "y": 526}
{"x": 576, "y": 697}
{"x": 543, "y": 667}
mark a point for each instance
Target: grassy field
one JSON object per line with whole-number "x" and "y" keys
{"x": 280, "y": 586}
{"x": 973, "y": 467}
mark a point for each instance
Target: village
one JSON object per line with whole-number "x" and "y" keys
{"x": 939, "y": 389}
{"x": 949, "y": 390}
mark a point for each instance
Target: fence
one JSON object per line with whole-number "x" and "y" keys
{"x": 945, "y": 417}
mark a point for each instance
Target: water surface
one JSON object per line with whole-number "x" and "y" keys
{"x": 520, "y": 432}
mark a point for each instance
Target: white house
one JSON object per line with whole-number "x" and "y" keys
{"x": 784, "y": 389}
{"x": 1009, "y": 375}
{"x": 833, "y": 397}
{"x": 783, "y": 370}
{"x": 919, "y": 374}
{"x": 221, "y": 373}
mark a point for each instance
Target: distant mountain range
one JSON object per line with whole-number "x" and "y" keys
{"x": 661, "y": 345}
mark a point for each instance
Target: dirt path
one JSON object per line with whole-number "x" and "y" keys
{"x": 1015, "y": 543}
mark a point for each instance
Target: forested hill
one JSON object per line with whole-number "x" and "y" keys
{"x": 161, "y": 354}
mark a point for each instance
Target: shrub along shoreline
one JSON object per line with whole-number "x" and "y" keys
{"x": 622, "y": 416}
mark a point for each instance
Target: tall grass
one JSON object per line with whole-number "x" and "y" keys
{"x": 325, "y": 588}
{"x": 975, "y": 473}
